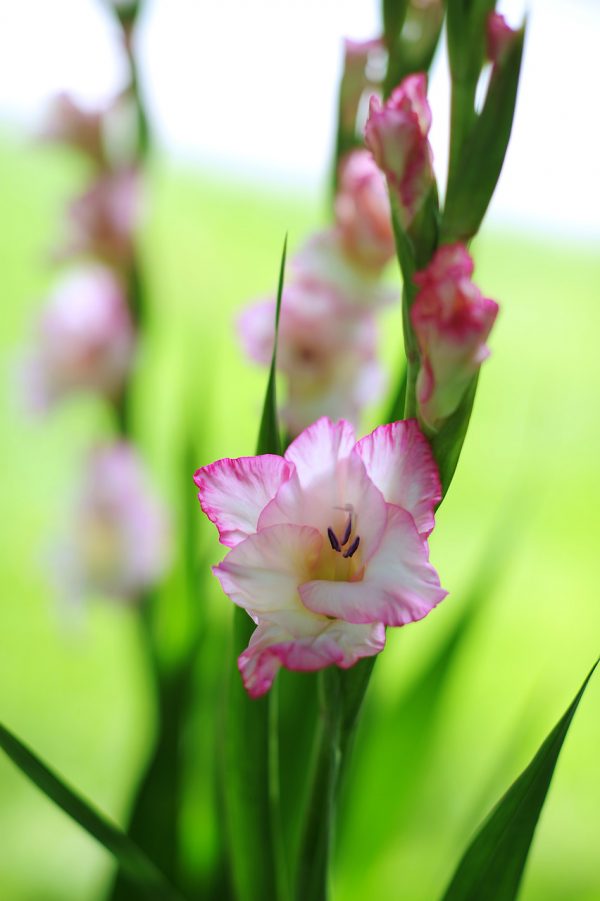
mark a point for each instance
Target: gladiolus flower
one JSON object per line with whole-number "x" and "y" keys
{"x": 84, "y": 340}
{"x": 327, "y": 356}
{"x": 119, "y": 536}
{"x": 68, "y": 123}
{"x": 362, "y": 212}
{"x": 324, "y": 263}
{"x": 104, "y": 218}
{"x": 452, "y": 320}
{"x": 396, "y": 134}
{"x": 328, "y": 544}
{"x": 500, "y": 37}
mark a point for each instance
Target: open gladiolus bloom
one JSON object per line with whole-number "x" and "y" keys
{"x": 118, "y": 543}
{"x": 328, "y": 544}
{"x": 84, "y": 340}
{"x": 329, "y": 358}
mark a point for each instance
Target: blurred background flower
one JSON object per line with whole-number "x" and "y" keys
{"x": 243, "y": 99}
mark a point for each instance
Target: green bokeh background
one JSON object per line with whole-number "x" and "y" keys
{"x": 74, "y": 685}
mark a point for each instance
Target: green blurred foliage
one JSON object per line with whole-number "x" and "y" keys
{"x": 73, "y": 684}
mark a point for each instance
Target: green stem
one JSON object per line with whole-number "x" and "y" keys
{"x": 248, "y": 793}
{"x": 317, "y": 840}
{"x": 341, "y": 696}
{"x": 279, "y": 851}
{"x": 462, "y": 117}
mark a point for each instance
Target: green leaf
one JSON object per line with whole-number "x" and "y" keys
{"x": 493, "y": 864}
{"x": 404, "y": 735}
{"x": 411, "y": 54}
{"x": 250, "y": 746}
{"x": 141, "y": 871}
{"x": 394, "y": 14}
{"x": 481, "y": 156}
{"x": 269, "y": 441}
{"x": 465, "y": 27}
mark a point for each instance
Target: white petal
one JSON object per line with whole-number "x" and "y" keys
{"x": 305, "y": 645}
{"x": 263, "y": 572}
{"x": 399, "y": 461}
{"x": 233, "y": 493}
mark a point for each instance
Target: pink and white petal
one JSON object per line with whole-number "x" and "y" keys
{"x": 327, "y": 501}
{"x": 399, "y": 460}
{"x": 316, "y": 451}
{"x": 273, "y": 645}
{"x": 262, "y": 573}
{"x": 233, "y": 493}
{"x": 399, "y": 585}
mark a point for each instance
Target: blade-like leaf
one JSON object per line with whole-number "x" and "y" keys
{"x": 482, "y": 156}
{"x": 269, "y": 441}
{"x": 493, "y": 864}
{"x": 248, "y": 790}
{"x": 141, "y": 871}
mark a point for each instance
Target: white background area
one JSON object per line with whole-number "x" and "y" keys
{"x": 249, "y": 86}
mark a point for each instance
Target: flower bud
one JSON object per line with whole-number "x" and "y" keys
{"x": 396, "y": 134}
{"x": 452, "y": 320}
{"x": 68, "y": 123}
{"x": 104, "y": 218}
{"x": 84, "y": 339}
{"x": 118, "y": 544}
{"x": 355, "y": 80}
{"x": 362, "y": 212}
{"x": 500, "y": 37}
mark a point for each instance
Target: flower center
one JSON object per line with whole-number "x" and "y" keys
{"x": 344, "y": 564}
{"x": 338, "y": 544}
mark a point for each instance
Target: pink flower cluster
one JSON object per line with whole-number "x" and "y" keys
{"x": 118, "y": 543}
{"x": 85, "y": 338}
{"x": 328, "y": 336}
{"x": 450, "y": 317}
{"x": 328, "y": 544}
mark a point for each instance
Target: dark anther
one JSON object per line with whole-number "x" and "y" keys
{"x": 348, "y": 532}
{"x": 333, "y": 540}
{"x": 353, "y": 547}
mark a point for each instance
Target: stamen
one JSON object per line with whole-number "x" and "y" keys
{"x": 348, "y": 532}
{"x": 333, "y": 539}
{"x": 353, "y": 547}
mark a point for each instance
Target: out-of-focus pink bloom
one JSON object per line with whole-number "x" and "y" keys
{"x": 396, "y": 134}
{"x": 362, "y": 212}
{"x": 119, "y": 536}
{"x": 452, "y": 320}
{"x": 103, "y": 219}
{"x": 500, "y": 37}
{"x": 328, "y": 544}
{"x": 68, "y": 123}
{"x": 324, "y": 263}
{"x": 84, "y": 338}
{"x": 328, "y": 356}
{"x": 356, "y": 78}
